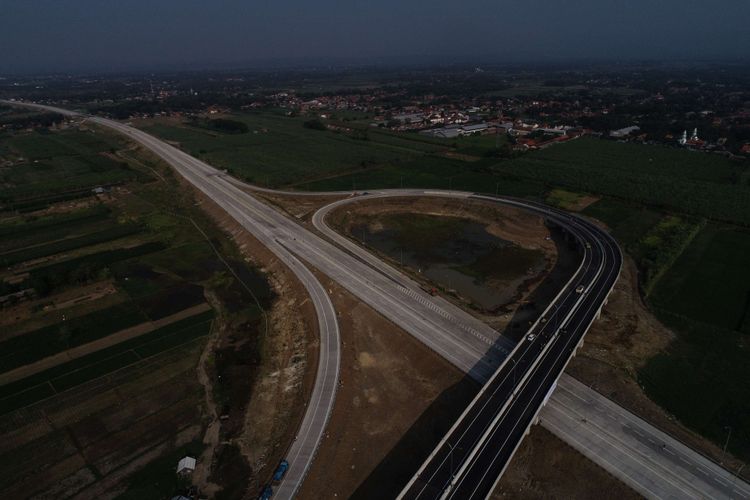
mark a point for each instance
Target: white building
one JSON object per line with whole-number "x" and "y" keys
{"x": 624, "y": 131}
{"x": 185, "y": 466}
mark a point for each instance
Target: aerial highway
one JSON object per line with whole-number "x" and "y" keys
{"x": 471, "y": 458}
{"x": 643, "y": 457}
{"x": 647, "y": 459}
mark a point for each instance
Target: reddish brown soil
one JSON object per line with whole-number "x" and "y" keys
{"x": 546, "y": 467}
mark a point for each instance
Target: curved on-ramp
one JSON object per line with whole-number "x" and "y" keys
{"x": 248, "y": 214}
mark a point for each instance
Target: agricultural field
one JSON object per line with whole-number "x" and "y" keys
{"x": 434, "y": 172}
{"x": 700, "y": 185}
{"x": 660, "y": 178}
{"x": 45, "y": 168}
{"x": 703, "y": 377}
{"x": 278, "y": 150}
{"x": 107, "y": 300}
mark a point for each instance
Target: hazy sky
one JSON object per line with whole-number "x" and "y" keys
{"x": 55, "y": 35}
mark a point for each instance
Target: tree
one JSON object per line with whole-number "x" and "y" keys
{"x": 314, "y": 124}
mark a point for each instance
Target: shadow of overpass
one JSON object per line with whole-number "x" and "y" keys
{"x": 395, "y": 470}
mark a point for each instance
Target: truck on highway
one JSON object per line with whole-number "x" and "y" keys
{"x": 266, "y": 494}
{"x": 280, "y": 471}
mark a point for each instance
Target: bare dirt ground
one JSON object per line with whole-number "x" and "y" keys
{"x": 299, "y": 207}
{"x": 546, "y": 467}
{"x": 396, "y": 400}
{"x": 265, "y": 428}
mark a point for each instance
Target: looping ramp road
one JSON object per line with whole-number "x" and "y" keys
{"x": 490, "y": 430}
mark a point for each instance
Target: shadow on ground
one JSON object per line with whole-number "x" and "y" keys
{"x": 401, "y": 463}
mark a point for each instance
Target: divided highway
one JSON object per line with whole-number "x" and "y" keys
{"x": 603, "y": 431}
{"x": 471, "y": 458}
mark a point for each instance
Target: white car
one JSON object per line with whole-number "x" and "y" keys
{"x": 580, "y": 289}
{"x": 531, "y": 337}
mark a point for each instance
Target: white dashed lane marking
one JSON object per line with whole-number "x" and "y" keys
{"x": 431, "y": 305}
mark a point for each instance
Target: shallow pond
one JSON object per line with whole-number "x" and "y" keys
{"x": 456, "y": 253}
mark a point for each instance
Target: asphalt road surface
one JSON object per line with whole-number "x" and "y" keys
{"x": 470, "y": 460}
{"x": 608, "y": 434}
{"x": 611, "y": 436}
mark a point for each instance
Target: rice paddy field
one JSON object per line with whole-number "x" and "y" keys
{"x": 104, "y": 316}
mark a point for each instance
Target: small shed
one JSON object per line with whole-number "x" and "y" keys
{"x": 185, "y": 466}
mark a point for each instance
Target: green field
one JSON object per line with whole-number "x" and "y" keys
{"x": 67, "y": 375}
{"x": 59, "y": 166}
{"x": 34, "y": 230}
{"x": 710, "y": 282}
{"x": 658, "y": 177}
{"x": 628, "y": 222}
{"x": 71, "y": 243}
{"x": 434, "y": 172}
{"x": 704, "y": 376}
{"x": 35, "y": 345}
{"x": 280, "y": 150}
{"x": 691, "y": 183}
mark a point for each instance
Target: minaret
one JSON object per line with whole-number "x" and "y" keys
{"x": 694, "y": 137}
{"x": 683, "y": 139}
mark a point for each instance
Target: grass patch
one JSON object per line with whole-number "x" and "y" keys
{"x": 566, "y": 200}
{"x": 704, "y": 376}
{"x": 696, "y": 184}
{"x": 628, "y": 222}
{"x": 436, "y": 173}
{"x": 704, "y": 380}
{"x": 710, "y": 281}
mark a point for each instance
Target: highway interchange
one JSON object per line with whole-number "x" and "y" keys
{"x": 471, "y": 458}
{"x": 643, "y": 457}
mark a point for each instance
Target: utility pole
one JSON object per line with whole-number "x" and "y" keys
{"x": 734, "y": 481}
{"x": 726, "y": 443}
